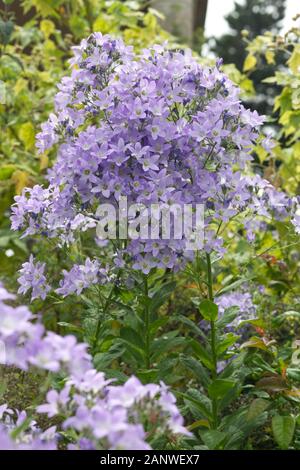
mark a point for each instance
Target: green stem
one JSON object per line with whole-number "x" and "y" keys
{"x": 147, "y": 323}
{"x": 212, "y": 340}
{"x": 100, "y": 318}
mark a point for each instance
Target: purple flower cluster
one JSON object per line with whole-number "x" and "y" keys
{"x": 158, "y": 128}
{"x": 101, "y": 415}
{"x": 108, "y": 417}
{"x": 242, "y": 301}
{"x": 32, "y": 277}
{"x": 29, "y": 437}
{"x": 81, "y": 276}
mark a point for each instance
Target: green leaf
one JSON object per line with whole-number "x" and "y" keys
{"x": 197, "y": 368}
{"x": 293, "y": 373}
{"x": 161, "y": 295}
{"x": 132, "y": 336}
{"x": 6, "y": 172}
{"x": 103, "y": 360}
{"x": 47, "y": 27}
{"x": 228, "y": 316}
{"x": 164, "y": 344}
{"x": 202, "y": 354}
{"x": 257, "y": 407}
{"x": 294, "y": 60}
{"x": 27, "y": 135}
{"x": 2, "y": 92}
{"x": 213, "y": 439}
{"x": 291, "y": 315}
{"x": 209, "y": 310}
{"x": 234, "y": 285}
{"x": 6, "y": 29}
{"x": 198, "y": 400}
{"x": 220, "y": 387}
{"x": 250, "y": 63}
{"x": 256, "y": 342}
{"x": 70, "y": 326}
{"x": 192, "y": 326}
{"x": 283, "y": 430}
{"x": 148, "y": 376}
{"x": 226, "y": 342}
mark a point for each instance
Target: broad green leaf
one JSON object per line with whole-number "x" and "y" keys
{"x": 228, "y": 316}
{"x": 161, "y": 295}
{"x": 209, "y": 310}
{"x": 165, "y": 344}
{"x": 198, "y": 400}
{"x": 256, "y": 342}
{"x": 257, "y": 407}
{"x": 6, "y": 172}
{"x": 202, "y": 354}
{"x": 104, "y": 359}
{"x": 219, "y": 388}
{"x": 147, "y": 376}
{"x": 293, "y": 373}
{"x": 213, "y": 439}
{"x": 197, "y": 368}
{"x": 226, "y": 342}
{"x": 132, "y": 336}
{"x": 283, "y": 430}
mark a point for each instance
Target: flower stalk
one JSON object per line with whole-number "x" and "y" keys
{"x": 214, "y": 371}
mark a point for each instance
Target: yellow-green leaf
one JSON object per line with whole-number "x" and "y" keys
{"x": 27, "y": 135}
{"x": 47, "y": 28}
{"x": 294, "y": 60}
{"x": 270, "y": 57}
{"x": 250, "y": 63}
{"x": 21, "y": 179}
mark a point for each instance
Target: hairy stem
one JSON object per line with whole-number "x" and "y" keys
{"x": 212, "y": 340}
{"x": 147, "y": 323}
{"x": 100, "y": 317}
